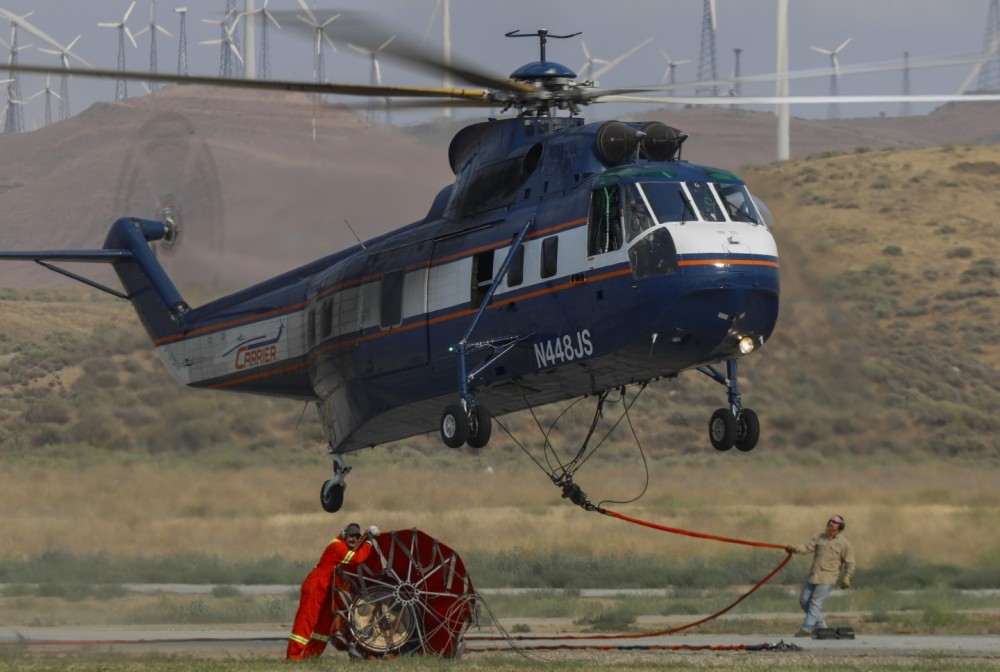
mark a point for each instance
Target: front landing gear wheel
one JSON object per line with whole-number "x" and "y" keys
{"x": 747, "y": 431}
{"x": 454, "y": 426}
{"x": 722, "y": 429}
{"x": 480, "y": 427}
{"x": 332, "y": 496}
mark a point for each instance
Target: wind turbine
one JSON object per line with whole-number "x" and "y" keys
{"x": 783, "y": 142}
{"x": 264, "y": 65}
{"x": 610, "y": 65}
{"x": 48, "y": 100}
{"x": 151, "y": 28}
{"x": 445, "y": 7}
{"x": 63, "y": 54}
{"x": 121, "y": 85}
{"x": 14, "y": 119}
{"x": 668, "y": 73}
{"x": 227, "y": 67}
{"x": 319, "y": 37}
{"x": 588, "y": 64}
{"x": 734, "y": 89}
{"x": 375, "y": 76}
{"x": 833, "y": 112}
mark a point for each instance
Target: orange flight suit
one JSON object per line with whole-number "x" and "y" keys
{"x": 314, "y": 620}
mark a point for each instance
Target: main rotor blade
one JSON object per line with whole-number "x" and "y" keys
{"x": 257, "y": 84}
{"x": 801, "y": 100}
{"x": 362, "y": 29}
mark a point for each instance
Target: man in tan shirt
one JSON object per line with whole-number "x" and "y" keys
{"x": 831, "y": 551}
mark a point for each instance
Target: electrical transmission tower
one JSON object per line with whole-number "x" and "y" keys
{"x": 233, "y": 15}
{"x": 48, "y": 93}
{"x": 706, "y": 61}
{"x": 182, "y": 47}
{"x": 989, "y": 75}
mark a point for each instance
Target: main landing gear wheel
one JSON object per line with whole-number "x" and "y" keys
{"x": 747, "y": 431}
{"x": 411, "y": 595}
{"x": 722, "y": 430}
{"x": 454, "y": 426}
{"x": 480, "y": 427}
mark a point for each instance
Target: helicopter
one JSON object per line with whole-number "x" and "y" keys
{"x": 567, "y": 259}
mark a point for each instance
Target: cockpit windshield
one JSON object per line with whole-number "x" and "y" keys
{"x": 704, "y": 200}
{"x": 669, "y": 202}
{"x": 739, "y": 203}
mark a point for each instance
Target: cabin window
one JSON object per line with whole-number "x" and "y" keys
{"x": 637, "y": 217}
{"x": 654, "y": 254}
{"x": 326, "y": 319}
{"x": 604, "y": 228}
{"x": 550, "y": 256}
{"x": 482, "y": 276}
{"x": 391, "y": 300}
{"x": 515, "y": 272}
{"x": 704, "y": 200}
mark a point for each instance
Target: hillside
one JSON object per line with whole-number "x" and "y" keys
{"x": 886, "y": 343}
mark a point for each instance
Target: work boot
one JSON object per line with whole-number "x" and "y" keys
{"x": 803, "y": 633}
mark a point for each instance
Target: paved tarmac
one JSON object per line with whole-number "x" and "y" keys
{"x": 230, "y": 641}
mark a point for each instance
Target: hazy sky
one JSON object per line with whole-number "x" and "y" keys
{"x": 881, "y": 30}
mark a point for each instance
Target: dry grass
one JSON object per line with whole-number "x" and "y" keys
{"x": 936, "y": 512}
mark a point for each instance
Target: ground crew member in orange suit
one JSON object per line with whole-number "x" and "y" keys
{"x": 314, "y": 620}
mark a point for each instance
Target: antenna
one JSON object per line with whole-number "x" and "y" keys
{"x": 833, "y": 111}
{"x": 182, "y": 47}
{"x": 706, "y": 61}
{"x": 121, "y": 85}
{"x": 152, "y": 27}
{"x": 263, "y": 56}
{"x": 63, "y": 53}
{"x": 375, "y": 75}
{"x": 543, "y": 37}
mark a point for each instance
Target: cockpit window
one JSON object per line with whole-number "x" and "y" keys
{"x": 669, "y": 202}
{"x": 738, "y": 203}
{"x": 637, "y": 217}
{"x": 705, "y": 201}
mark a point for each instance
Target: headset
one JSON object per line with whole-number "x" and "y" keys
{"x": 839, "y": 519}
{"x": 343, "y": 532}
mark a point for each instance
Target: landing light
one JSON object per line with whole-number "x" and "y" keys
{"x": 747, "y": 345}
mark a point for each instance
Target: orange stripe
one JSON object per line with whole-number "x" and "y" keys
{"x": 728, "y": 262}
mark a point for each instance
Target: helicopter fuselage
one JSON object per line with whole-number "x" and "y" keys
{"x": 631, "y": 269}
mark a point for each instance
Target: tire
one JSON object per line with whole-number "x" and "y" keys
{"x": 331, "y": 498}
{"x": 722, "y": 429}
{"x": 454, "y": 426}
{"x": 747, "y": 430}
{"x": 481, "y": 428}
